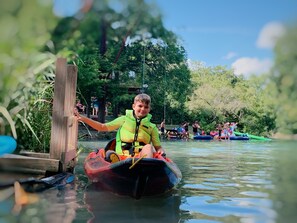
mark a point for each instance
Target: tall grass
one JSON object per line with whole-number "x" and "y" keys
{"x": 25, "y": 110}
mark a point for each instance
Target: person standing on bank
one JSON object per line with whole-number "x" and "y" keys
{"x": 136, "y": 136}
{"x": 162, "y": 127}
{"x": 196, "y": 128}
{"x": 185, "y": 125}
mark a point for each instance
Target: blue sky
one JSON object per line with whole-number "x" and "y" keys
{"x": 239, "y": 34}
{"x": 234, "y": 33}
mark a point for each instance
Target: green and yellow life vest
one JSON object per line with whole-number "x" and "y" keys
{"x": 135, "y": 131}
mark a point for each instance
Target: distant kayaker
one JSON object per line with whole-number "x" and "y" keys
{"x": 136, "y": 136}
{"x": 219, "y": 128}
{"x": 196, "y": 128}
{"x": 226, "y": 130}
{"x": 233, "y": 126}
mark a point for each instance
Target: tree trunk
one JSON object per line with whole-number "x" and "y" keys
{"x": 103, "y": 48}
{"x": 101, "y": 110}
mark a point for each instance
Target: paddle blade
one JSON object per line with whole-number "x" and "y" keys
{"x": 22, "y": 197}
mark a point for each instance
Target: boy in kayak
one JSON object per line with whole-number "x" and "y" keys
{"x": 136, "y": 136}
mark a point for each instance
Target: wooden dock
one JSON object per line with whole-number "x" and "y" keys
{"x": 64, "y": 129}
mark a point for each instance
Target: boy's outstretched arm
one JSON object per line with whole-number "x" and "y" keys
{"x": 94, "y": 124}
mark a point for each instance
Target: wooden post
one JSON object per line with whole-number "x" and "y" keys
{"x": 64, "y": 126}
{"x": 72, "y": 126}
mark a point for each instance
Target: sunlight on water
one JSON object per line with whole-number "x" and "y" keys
{"x": 230, "y": 182}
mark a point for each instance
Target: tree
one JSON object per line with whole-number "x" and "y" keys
{"x": 284, "y": 75}
{"x": 118, "y": 50}
{"x": 221, "y": 96}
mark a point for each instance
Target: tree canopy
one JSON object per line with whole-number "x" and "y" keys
{"x": 118, "y": 50}
{"x": 220, "y": 96}
{"x": 284, "y": 76}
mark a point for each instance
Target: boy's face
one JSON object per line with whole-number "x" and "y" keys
{"x": 141, "y": 109}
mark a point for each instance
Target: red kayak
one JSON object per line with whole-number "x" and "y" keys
{"x": 133, "y": 177}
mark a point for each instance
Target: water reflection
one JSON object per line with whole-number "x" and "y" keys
{"x": 284, "y": 178}
{"x": 234, "y": 183}
{"x": 61, "y": 205}
{"x": 222, "y": 182}
{"x": 55, "y": 205}
{"x": 108, "y": 207}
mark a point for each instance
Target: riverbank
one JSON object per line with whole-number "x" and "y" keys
{"x": 284, "y": 136}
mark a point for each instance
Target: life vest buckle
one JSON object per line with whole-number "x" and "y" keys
{"x": 132, "y": 148}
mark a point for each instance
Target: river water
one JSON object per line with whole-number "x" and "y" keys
{"x": 226, "y": 181}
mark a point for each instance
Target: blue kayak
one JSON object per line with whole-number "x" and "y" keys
{"x": 202, "y": 137}
{"x": 7, "y": 144}
{"x": 242, "y": 138}
{"x": 239, "y": 138}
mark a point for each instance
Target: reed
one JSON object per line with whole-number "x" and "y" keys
{"x": 26, "y": 103}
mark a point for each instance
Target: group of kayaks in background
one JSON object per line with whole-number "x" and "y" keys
{"x": 223, "y": 132}
{"x": 172, "y": 134}
{"x": 236, "y": 136}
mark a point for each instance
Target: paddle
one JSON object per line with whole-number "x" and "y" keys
{"x": 35, "y": 185}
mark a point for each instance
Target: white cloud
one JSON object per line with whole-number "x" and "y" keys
{"x": 247, "y": 66}
{"x": 230, "y": 55}
{"x": 269, "y": 34}
{"x": 267, "y": 39}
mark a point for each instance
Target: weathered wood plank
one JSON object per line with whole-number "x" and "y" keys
{"x": 72, "y": 126}
{"x": 58, "y": 127}
{"x": 33, "y": 154}
{"x": 10, "y": 161}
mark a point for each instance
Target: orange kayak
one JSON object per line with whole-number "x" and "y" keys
{"x": 133, "y": 177}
